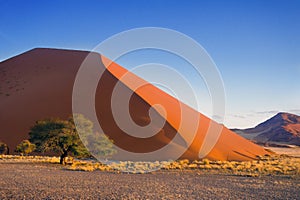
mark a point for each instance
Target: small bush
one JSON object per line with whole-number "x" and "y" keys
{"x": 3, "y": 148}
{"x": 25, "y": 147}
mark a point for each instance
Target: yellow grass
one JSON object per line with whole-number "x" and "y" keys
{"x": 42, "y": 159}
{"x": 267, "y": 165}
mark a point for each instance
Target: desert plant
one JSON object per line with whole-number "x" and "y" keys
{"x": 4, "y": 148}
{"x": 99, "y": 145}
{"x": 25, "y": 147}
{"x": 58, "y": 136}
{"x": 62, "y": 136}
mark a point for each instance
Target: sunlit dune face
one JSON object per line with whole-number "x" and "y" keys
{"x": 172, "y": 112}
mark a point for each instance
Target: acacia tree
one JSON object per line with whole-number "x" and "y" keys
{"x": 25, "y": 147}
{"x": 61, "y": 136}
{"x": 98, "y": 144}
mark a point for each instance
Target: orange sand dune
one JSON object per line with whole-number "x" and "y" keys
{"x": 38, "y": 84}
{"x": 229, "y": 146}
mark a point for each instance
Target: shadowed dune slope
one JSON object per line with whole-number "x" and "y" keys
{"x": 38, "y": 84}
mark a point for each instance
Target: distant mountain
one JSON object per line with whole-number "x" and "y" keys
{"x": 283, "y": 128}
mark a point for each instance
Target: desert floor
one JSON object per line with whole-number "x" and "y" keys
{"x": 51, "y": 181}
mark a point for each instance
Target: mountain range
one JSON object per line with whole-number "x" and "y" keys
{"x": 283, "y": 128}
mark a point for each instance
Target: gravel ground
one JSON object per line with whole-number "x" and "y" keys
{"x": 46, "y": 181}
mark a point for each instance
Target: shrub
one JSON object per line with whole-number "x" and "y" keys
{"x": 4, "y": 148}
{"x": 25, "y": 147}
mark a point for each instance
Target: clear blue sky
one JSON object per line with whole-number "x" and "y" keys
{"x": 255, "y": 44}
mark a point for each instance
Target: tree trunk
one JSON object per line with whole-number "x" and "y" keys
{"x": 62, "y": 157}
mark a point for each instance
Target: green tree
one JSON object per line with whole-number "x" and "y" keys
{"x": 61, "y": 136}
{"x": 98, "y": 144}
{"x": 25, "y": 147}
{"x": 4, "y": 148}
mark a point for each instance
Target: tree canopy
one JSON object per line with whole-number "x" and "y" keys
{"x": 61, "y": 136}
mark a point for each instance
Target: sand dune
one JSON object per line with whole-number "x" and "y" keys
{"x": 38, "y": 84}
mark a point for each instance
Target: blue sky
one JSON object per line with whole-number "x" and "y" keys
{"x": 255, "y": 44}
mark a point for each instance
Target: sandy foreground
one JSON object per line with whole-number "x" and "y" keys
{"x": 51, "y": 181}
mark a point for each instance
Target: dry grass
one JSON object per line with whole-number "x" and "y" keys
{"x": 17, "y": 158}
{"x": 267, "y": 165}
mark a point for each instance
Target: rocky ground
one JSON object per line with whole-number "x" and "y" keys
{"x": 51, "y": 181}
